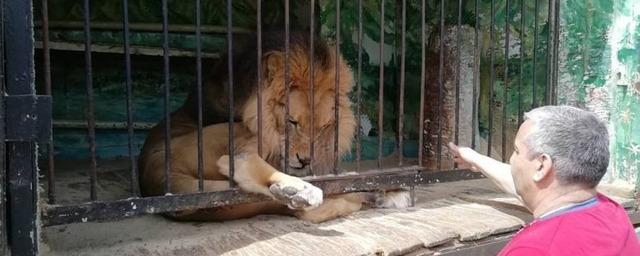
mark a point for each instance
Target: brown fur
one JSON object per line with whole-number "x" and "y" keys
{"x": 252, "y": 172}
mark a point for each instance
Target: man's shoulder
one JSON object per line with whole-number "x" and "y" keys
{"x": 524, "y": 250}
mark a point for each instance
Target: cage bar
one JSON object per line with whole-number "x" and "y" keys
{"x": 135, "y": 191}
{"x": 402, "y": 81}
{"x": 46, "y": 59}
{"x": 198, "y": 14}
{"x": 312, "y": 87}
{"x": 493, "y": 77}
{"x": 230, "y": 82}
{"x": 475, "y": 109}
{"x": 459, "y": 66}
{"x": 259, "y": 73}
{"x": 440, "y": 86}
{"x": 287, "y": 86}
{"x": 522, "y": 45}
{"x": 381, "y": 87}
{"x": 506, "y": 82}
{"x": 535, "y": 55}
{"x": 421, "y": 144}
{"x": 90, "y": 107}
{"x": 167, "y": 95}
{"x": 336, "y": 103}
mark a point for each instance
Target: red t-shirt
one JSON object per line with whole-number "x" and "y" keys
{"x": 600, "y": 227}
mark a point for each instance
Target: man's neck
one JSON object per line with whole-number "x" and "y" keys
{"x": 552, "y": 200}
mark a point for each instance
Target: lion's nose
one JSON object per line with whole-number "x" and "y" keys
{"x": 303, "y": 160}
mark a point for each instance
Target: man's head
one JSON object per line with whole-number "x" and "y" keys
{"x": 559, "y": 145}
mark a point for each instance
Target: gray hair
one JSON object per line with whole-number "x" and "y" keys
{"x": 576, "y": 140}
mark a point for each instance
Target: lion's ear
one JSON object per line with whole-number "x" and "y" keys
{"x": 273, "y": 63}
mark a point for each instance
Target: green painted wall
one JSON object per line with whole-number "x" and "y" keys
{"x": 599, "y": 70}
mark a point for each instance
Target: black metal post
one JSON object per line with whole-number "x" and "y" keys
{"x": 21, "y": 155}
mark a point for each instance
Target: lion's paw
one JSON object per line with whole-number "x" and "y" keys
{"x": 297, "y": 194}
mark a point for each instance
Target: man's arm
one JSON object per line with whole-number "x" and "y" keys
{"x": 496, "y": 171}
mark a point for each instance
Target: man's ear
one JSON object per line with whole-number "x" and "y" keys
{"x": 544, "y": 169}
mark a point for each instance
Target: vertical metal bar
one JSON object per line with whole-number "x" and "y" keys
{"x": 21, "y": 156}
{"x": 167, "y": 94}
{"x": 259, "y": 75}
{"x": 127, "y": 60}
{"x": 556, "y": 45}
{"x": 4, "y": 242}
{"x": 506, "y": 82}
{"x": 459, "y": 63}
{"x": 359, "y": 90}
{"x": 312, "y": 86}
{"x": 535, "y": 51}
{"x": 46, "y": 58}
{"x": 492, "y": 71}
{"x": 286, "y": 86}
{"x": 522, "y": 45}
{"x": 336, "y": 103}
{"x": 548, "y": 76}
{"x": 440, "y": 85}
{"x": 476, "y": 75}
{"x": 422, "y": 84}
{"x": 231, "y": 103}
{"x": 381, "y": 86}
{"x": 199, "y": 88}
{"x": 402, "y": 69}
{"x": 89, "y": 112}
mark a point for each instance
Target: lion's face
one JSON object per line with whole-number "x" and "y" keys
{"x": 308, "y": 120}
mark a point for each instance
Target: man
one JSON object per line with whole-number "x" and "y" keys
{"x": 560, "y": 155}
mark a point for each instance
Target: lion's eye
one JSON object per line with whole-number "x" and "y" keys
{"x": 293, "y": 122}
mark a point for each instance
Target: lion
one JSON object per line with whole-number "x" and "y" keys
{"x": 260, "y": 174}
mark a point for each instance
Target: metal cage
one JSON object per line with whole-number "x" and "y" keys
{"x": 27, "y": 119}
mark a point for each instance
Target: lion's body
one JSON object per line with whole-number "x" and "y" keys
{"x": 309, "y": 117}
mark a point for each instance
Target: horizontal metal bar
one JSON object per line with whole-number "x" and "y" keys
{"x": 73, "y": 124}
{"x": 149, "y": 27}
{"x": 119, "y": 49}
{"x": 370, "y": 180}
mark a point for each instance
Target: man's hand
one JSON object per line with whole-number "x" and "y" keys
{"x": 463, "y": 156}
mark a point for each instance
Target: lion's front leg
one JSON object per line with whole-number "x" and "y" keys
{"x": 253, "y": 174}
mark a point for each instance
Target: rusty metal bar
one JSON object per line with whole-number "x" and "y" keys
{"x": 231, "y": 103}
{"x": 312, "y": 87}
{"x": 440, "y": 86}
{"x": 492, "y": 71}
{"x": 556, "y": 42}
{"x": 336, "y": 103}
{"x": 459, "y": 64}
{"x": 134, "y": 186}
{"x": 522, "y": 45}
{"x": 259, "y": 75}
{"x": 359, "y": 90}
{"x": 506, "y": 82}
{"x": 167, "y": 95}
{"x": 476, "y": 75}
{"x": 199, "y": 96}
{"x": 90, "y": 108}
{"x": 287, "y": 86}
{"x": 547, "y": 75}
{"x": 535, "y": 57}
{"x": 422, "y": 84}
{"x": 390, "y": 178}
{"x": 381, "y": 86}
{"x": 402, "y": 78}
{"x": 46, "y": 56}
